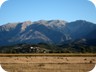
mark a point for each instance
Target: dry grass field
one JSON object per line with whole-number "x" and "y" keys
{"x": 48, "y": 62}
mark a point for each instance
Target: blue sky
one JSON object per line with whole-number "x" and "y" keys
{"x": 34, "y": 10}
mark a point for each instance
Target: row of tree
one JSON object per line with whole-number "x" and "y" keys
{"x": 48, "y": 48}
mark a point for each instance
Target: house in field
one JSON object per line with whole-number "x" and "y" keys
{"x": 38, "y": 50}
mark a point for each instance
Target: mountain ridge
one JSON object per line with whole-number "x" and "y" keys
{"x": 52, "y": 31}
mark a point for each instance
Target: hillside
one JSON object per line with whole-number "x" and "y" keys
{"x": 56, "y": 35}
{"x": 53, "y": 32}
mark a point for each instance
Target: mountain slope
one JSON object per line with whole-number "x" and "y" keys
{"x": 80, "y": 28}
{"x": 52, "y": 31}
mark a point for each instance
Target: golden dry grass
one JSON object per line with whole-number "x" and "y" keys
{"x": 51, "y": 54}
{"x": 48, "y": 62}
{"x": 44, "y": 67}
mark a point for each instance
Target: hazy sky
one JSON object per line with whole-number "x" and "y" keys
{"x": 68, "y": 10}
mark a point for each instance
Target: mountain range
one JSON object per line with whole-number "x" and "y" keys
{"x": 50, "y": 32}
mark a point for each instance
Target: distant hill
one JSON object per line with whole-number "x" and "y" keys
{"x": 50, "y": 32}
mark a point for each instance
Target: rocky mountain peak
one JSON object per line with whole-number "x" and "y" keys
{"x": 54, "y": 31}
{"x": 25, "y": 24}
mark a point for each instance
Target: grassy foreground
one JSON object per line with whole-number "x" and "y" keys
{"x": 53, "y": 54}
{"x": 48, "y": 62}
